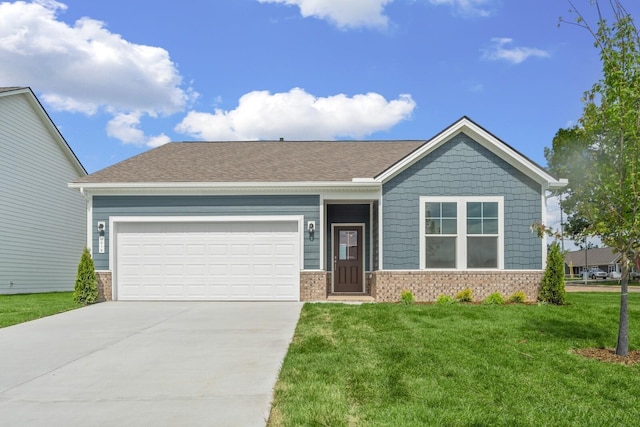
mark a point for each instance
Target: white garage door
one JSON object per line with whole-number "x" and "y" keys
{"x": 236, "y": 260}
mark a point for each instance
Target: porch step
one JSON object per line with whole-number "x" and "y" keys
{"x": 350, "y": 298}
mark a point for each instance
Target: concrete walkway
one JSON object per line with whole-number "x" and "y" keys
{"x": 146, "y": 364}
{"x": 597, "y": 288}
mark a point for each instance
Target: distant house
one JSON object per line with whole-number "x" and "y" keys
{"x": 42, "y": 221}
{"x": 605, "y": 258}
{"x": 316, "y": 220}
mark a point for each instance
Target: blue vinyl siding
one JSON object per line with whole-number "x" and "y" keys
{"x": 461, "y": 167}
{"x": 106, "y": 206}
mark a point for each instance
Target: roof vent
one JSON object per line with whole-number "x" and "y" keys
{"x": 281, "y": 139}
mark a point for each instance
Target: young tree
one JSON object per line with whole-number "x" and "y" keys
{"x": 605, "y": 196}
{"x": 552, "y": 289}
{"x": 86, "y": 289}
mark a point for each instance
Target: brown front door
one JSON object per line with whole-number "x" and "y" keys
{"x": 347, "y": 258}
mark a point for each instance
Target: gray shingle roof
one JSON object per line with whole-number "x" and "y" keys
{"x": 257, "y": 161}
{"x": 595, "y": 256}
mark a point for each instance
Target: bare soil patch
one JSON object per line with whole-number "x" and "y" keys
{"x": 609, "y": 355}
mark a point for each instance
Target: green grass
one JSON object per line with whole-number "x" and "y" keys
{"x": 20, "y": 308}
{"x": 458, "y": 365}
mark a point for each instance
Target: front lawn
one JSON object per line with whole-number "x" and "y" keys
{"x": 513, "y": 365}
{"x": 20, "y": 308}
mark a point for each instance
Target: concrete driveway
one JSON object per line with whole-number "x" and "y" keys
{"x": 146, "y": 364}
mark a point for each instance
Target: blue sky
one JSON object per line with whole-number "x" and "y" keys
{"x": 120, "y": 77}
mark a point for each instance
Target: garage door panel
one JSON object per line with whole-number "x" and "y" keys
{"x": 241, "y": 249}
{"x": 218, "y": 249}
{"x": 208, "y": 261}
{"x": 265, "y": 270}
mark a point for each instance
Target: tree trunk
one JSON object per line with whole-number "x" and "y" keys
{"x": 622, "y": 348}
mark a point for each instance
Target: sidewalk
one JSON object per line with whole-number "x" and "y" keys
{"x": 597, "y": 288}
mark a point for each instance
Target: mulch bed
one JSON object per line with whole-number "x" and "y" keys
{"x": 609, "y": 355}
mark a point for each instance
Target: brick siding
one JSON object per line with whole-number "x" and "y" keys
{"x": 313, "y": 285}
{"x": 104, "y": 286}
{"x": 426, "y": 286}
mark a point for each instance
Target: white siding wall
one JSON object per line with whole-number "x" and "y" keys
{"x": 42, "y": 222}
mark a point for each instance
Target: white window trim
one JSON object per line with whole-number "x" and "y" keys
{"x": 461, "y": 239}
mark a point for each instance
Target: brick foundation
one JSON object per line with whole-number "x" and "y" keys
{"x": 104, "y": 286}
{"x": 387, "y": 285}
{"x": 313, "y": 286}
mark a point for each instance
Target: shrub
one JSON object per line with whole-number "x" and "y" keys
{"x": 407, "y": 297}
{"x": 465, "y": 295}
{"x": 494, "y": 298}
{"x": 86, "y": 289}
{"x": 518, "y": 297}
{"x": 552, "y": 287}
{"x": 445, "y": 299}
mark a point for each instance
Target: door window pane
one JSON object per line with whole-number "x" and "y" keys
{"x": 348, "y": 245}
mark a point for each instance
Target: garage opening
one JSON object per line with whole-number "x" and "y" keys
{"x": 210, "y": 260}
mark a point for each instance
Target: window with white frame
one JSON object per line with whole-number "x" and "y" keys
{"x": 461, "y": 232}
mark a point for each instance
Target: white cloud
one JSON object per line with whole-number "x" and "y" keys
{"x": 84, "y": 67}
{"x": 125, "y": 127}
{"x": 370, "y": 13}
{"x": 342, "y": 13}
{"x": 466, "y": 7}
{"x": 298, "y": 115}
{"x": 500, "y": 51}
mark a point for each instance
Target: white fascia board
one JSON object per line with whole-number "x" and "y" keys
{"x": 561, "y": 183}
{"x": 485, "y": 139}
{"x": 228, "y": 188}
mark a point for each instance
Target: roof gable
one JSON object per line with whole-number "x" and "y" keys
{"x": 47, "y": 122}
{"x": 485, "y": 139}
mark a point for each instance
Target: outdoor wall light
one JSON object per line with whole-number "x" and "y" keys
{"x": 311, "y": 227}
{"x": 101, "y": 227}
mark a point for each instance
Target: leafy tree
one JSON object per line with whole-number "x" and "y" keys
{"x": 86, "y": 289}
{"x": 568, "y": 158}
{"x": 605, "y": 195}
{"x": 552, "y": 289}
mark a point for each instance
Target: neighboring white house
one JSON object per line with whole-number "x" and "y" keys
{"x": 42, "y": 221}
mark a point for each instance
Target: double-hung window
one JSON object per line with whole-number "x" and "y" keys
{"x": 441, "y": 225}
{"x": 461, "y": 232}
